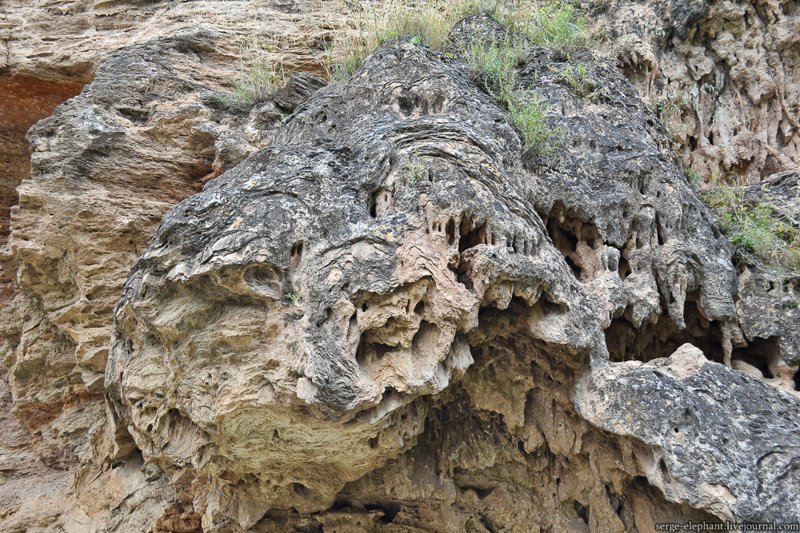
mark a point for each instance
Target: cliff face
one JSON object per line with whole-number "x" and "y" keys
{"x": 722, "y": 75}
{"x": 383, "y": 310}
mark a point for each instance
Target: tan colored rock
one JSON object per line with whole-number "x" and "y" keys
{"x": 360, "y": 347}
{"x": 724, "y": 76}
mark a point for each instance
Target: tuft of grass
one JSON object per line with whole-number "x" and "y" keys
{"x": 529, "y": 115}
{"x": 548, "y": 24}
{"x": 694, "y": 177}
{"x": 258, "y": 77}
{"x": 428, "y": 22}
{"x": 578, "y": 79}
{"x": 755, "y": 229}
{"x": 294, "y": 297}
{"x": 416, "y": 169}
{"x": 496, "y": 63}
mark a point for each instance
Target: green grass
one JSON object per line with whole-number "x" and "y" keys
{"x": 496, "y": 63}
{"x": 528, "y": 113}
{"x": 548, "y": 24}
{"x": 428, "y": 22}
{"x": 756, "y": 229}
{"x": 416, "y": 169}
{"x": 294, "y": 297}
{"x": 578, "y": 79}
{"x": 695, "y": 179}
{"x": 257, "y": 79}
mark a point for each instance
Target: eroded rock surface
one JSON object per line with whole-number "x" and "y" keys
{"x": 385, "y": 313}
{"x": 724, "y": 76}
{"x": 360, "y": 287}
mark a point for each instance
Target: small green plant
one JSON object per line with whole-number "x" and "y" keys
{"x": 694, "y": 178}
{"x": 528, "y": 113}
{"x": 577, "y": 78}
{"x": 551, "y": 24}
{"x": 416, "y": 169}
{"x": 257, "y": 79}
{"x": 755, "y": 228}
{"x": 497, "y": 63}
{"x": 294, "y": 297}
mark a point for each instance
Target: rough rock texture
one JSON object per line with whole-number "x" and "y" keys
{"x": 147, "y": 132}
{"x": 393, "y": 317}
{"x": 346, "y": 310}
{"x": 670, "y": 404}
{"x": 769, "y": 303}
{"x": 723, "y": 74}
{"x": 48, "y": 51}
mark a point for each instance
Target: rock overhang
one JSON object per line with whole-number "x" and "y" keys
{"x": 335, "y": 276}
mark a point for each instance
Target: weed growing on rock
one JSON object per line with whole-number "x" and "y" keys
{"x": 429, "y": 22}
{"x": 578, "y": 79}
{"x": 294, "y": 297}
{"x": 694, "y": 178}
{"x": 552, "y": 24}
{"x": 416, "y": 169}
{"x": 528, "y": 113}
{"x": 755, "y": 228}
{"x": 258, "y": 77}
{"x": 496, "y": 63}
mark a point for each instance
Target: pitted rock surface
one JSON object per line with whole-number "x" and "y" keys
{"x": 391, "y": 315}
{"x": 341, "y": 284}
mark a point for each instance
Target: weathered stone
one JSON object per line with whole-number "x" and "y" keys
{"x": 723, "y": 75}
{"x": 720, "y": 440}
{"x": 339, "y": 281}
{"x": 395, "y": 316}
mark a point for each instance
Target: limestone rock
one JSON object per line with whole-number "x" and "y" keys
{"x": 336, "y": 296}
{"x": 723, "y": 75}
{"x": 383, "y": 312}
{"x": 745, "y": 468}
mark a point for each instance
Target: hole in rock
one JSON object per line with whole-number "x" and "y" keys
{"x": 660, "y": 339}
{"x": 367, "y": 352}
{"x": 760, "y": 353}
{"x": 424, "y": 340}
{"x": 581, "y": 511}
{"x": 575, "y": 239}
{"x": 662, "y": 466}
{"x": 297, "y": 254}
{"x": 300, "y": 489}
{"x": 624, "y": 268}
{"x": 390, "y": 510}
{"x": 471, "y": 235}
{"x": 451, "y": 232}
{"x": 371, "y": 207}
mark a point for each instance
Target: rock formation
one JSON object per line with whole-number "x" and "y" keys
{"x": 374, "y": 308}
{"x": 722, "y": 74}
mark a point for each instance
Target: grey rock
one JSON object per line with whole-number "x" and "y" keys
{"x": 299, "y": 87}
{"x": 335, "y": 283}
{"x": 720, "y": 440}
